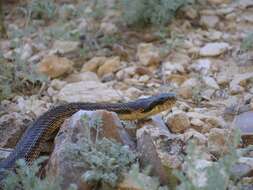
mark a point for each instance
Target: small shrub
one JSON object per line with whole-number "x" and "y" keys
{"x": 25, "y": 178}
{"x": 157, "y": 12}
{"x": 18, "y": 77}
{"x": 45, "y": 9}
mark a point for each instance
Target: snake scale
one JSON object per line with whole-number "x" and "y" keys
{"x": 43, "y": 127}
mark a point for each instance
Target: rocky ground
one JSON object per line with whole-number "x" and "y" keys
{"x": 205, "y": 55}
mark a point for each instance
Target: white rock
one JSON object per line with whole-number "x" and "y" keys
{"x": 241, "y": 79}
{"x": 192, "y": 133}
{"x": 214, "y": 49}
{"x": 202, "y": 65}
{"x": 64, "y": 46}
{"x": 144, "y": 78}
{"x": 209, "y": 21}
{"x": 210, "y": 82}
{"x": 83, "y": 76}
{"x": 197, "y": 122}
{"x": 88, "y": 91}
{"x": 236, "y": 89}
{"x": 108, "y": 28}
{"x": 173, "y": 67}
{"x": 148, "y": 54}
{"x": 26, "y": 52}
{"x": 245, "y": 3}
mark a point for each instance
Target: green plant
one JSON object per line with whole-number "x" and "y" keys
{"x": 18, "y": 77}
{"x": 45, "y": 9}
{"x": 157, "y": 12}
{"x": 104, "y": 159}
{"x": 214, "y": 175}
{"x": 247, "y": 42}
{"x": 25, "y": 178}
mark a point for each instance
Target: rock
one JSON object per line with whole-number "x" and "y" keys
{"x": 207, "y": 94}
{"x": 186, "y": 88}
{"x": 197, "y": 122}
{"x": 67, "y": 11}
{"x": 241, "y": 79}
{"x": 217, "y": 2}
{"x": 202, "y": 65}
{"x": 193, "y": 134}
{"x": 223, "y": 79}
{"x": 84, "y": 76}
{"x": 12, "y": 127}
{"x": 242, "y": 169}
{"x": 243, "y": 4}
{"x": 57, "y": 84}
{"x": 26, "y": 52}
{"x": 210, "y": 82}
{"x": 4, "y": 153}
{"x": 244, "y": 122}
{"x": 247, "y": 16}
{"x": 76, "y": 131}
{"x": 126, "y": 73}
{"x": 209, "y": 21}
{"x": 143, "y": 71}
{"x": 178, "y": 123}
{"x": 214, "y": 35}
{"x": 32, "y": 106}
{"x": 54, "y": 66}
{"x": 236, "y": 89}
{"x": 93, "y": 64}
{"x": 190, "y": 12}
{"x": 88, "y": 91}
{"x": 108, "y": 28}
{"x": 133, "y": 92}
{"x": 132, "y": 182}
{"x": 214, "y": 49}
{"x": 152, "y": 141}
{"x": 218, "y": 141}
{"x": 173, "y": 67}
{"x": 148, "y": 54}
{"x": 110, "y": 65}
{"x": 64, "y": 47}
{"x": 177, "y": 79}
{"x": 144, "y": 78}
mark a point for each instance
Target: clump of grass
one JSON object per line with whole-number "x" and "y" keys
{"x": 25, "y": 178}
{"x": 215, "y": 175}
{"x": 45, "y": 9}
{"x": 18, "y": 77}
{"x": 156, "y": 12}
{"x": 247, "y": 43}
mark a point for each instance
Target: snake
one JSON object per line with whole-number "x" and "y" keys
{"x": 30, "y": 144}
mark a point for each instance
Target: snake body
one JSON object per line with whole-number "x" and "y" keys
{"x": 29, "y": 146}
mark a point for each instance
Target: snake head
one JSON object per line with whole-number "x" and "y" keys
{"x": 146, "y": 107}
{"x": 160, "y": 102}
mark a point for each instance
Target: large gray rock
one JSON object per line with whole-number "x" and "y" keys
{"x": 244, "y": 122}
{"x": 214, "y": 49}
{"x": 11, "y": 129}
{"x": 88, "y": 91}
{"x": 161, "y": 150}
